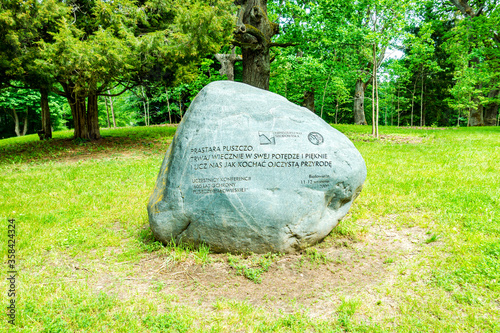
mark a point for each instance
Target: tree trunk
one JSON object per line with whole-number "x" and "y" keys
{"x": 25, "y": 123}
{"x": 374, "y": 84}
{"x": 46, "y": 125}
{"x": 168, "y": 107}
{"x": 323, "y": 99}
{"x": 107, "y": 111}
{"x": 422, "y": 123}
{"x": 491, "y": 110}
{"x": 375, "y": 109}
{"x": 476, "y": 113}
{"x": 398, "y": 109}
{"x": 413, "y": 101}
{"x": 476, "y": 116}
{"x": 256, "y": 68}
{"x": 112, "y": 109}
{"x": 393, "y": 107}
{"x": 227, "y": 66}
{"x": 359, "y": 103}
{"x": 85, "y": 119}
{"x": 16, "y": 122}
{"x": 78, "y": 111}
{"x": 375, "y": 90}
{"x": 309, "y": 100}
{"x": 374, "y": 81}
{"x": 145, "y": 104}
{"x": 336, "y": 111}
{"x": 376, "y": 104}
{"x": 93, "y": 117}
{"x": 253, "y": 34}
{"x": 80, "y": 119}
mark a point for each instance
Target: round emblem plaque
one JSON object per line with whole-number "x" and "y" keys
{"x": 315, "y": 138}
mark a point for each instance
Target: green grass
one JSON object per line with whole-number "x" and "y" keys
{"x": 80, "y": 211}
{"x": 253, "y": 266}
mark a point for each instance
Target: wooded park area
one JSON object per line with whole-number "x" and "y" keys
{"x": 223, "y": 222}
{"x": 86, "y": 64}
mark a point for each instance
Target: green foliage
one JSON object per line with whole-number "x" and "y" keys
{"x": 91, "y": 47}
{"x": 293, "y": 75}
{"x": 26, "y": 103}
{"x": 161, "y": 48}
{"x": 335, "y": 47}
{"x": 174, "y": 101}
{"x": 421, "y": 50}
{"x": 473, "y": 48}
{"x": 334, "y": 50}
{"x": 131, "y": 41}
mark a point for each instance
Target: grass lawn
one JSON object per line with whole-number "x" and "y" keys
{"x": 418, "y": 252}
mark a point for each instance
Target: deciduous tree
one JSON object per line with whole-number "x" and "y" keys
{"x": 95, "y": 45}
{"x": 477, "y": 37}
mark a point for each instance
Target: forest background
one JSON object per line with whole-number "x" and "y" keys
{"x": 88, "y": 64}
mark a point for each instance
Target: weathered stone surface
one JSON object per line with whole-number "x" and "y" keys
{"x": 248, "y": 170}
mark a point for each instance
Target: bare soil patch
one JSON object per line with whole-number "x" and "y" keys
{"x": 69, "y": 150}
{"x": 354, "y": 268}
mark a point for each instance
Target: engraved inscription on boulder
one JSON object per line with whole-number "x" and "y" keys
{"x": 248, "y": 170}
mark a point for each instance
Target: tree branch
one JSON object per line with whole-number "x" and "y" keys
{"x": 232, "y": 57}
{"x": 381, "y": 57}
{"x": 253, "y": 31}
{"x": 365, "y": 84}
{"x": 464, "y": 7}
{"x": 496, "y": 37}
{"x": 58, "y": 92}
{"x": 282, "y": 44}
{"x": 467, "y": 10}
{"x": 118, "y": 94}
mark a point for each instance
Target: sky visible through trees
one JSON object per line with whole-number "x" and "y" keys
{"x": 86, "y": 64}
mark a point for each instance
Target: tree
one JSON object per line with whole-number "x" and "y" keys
{"x": 253, "y": 34}
{"x": 348, "y": 26}
{"x": 377, "y": 24}
{"x": 18, "y": 103}
{"x": 314, "y": 72}
{"x": 172, "y": 102}
{"x": 343, "y": 34}
{"x": 22, "y": 25}
{"x": 20, "y": 111}
{"x": 424, "y": 44}
{"x": 92, "y": 46}
{"x": 421, "y": 61}
{"x": 476, "y": 36}
{"x": 398, "y": 76}
{"x": 298, "y": 77}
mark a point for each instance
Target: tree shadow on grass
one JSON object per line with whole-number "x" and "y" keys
{"x": 71, "y": 150}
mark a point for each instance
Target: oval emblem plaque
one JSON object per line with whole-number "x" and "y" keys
{"x": 315, "y": 138}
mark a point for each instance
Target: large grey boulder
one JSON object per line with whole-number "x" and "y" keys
{"x": 248, "y": 170}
